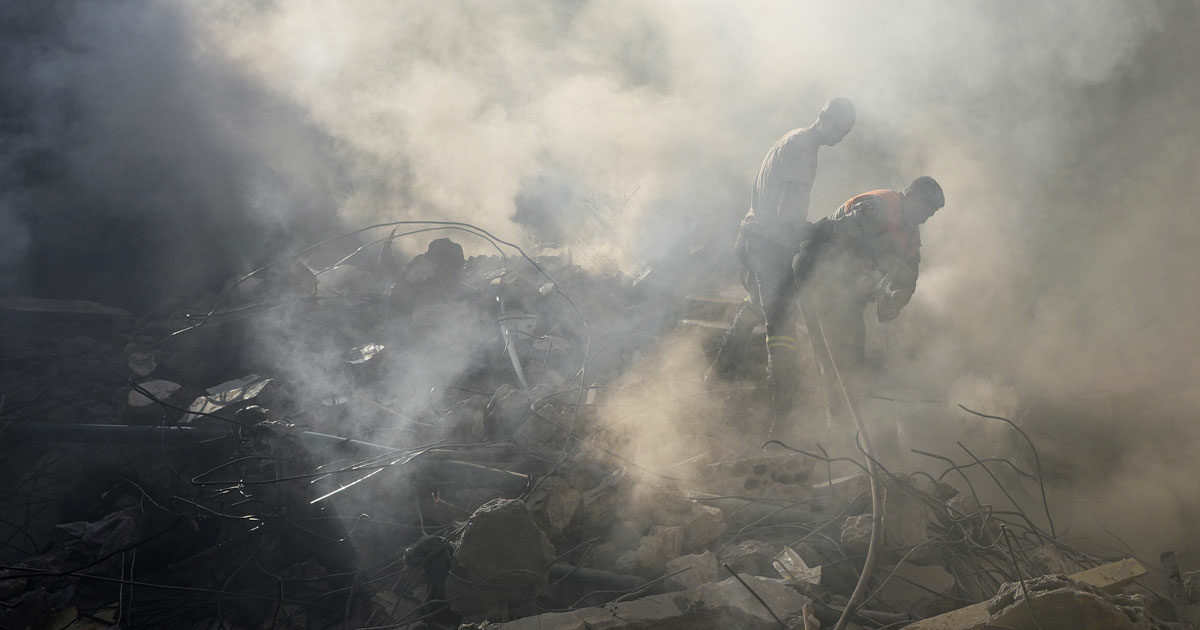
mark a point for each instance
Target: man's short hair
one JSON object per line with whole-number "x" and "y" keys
{"x": 928, "y": 190}
{"x": 839, "y": 111}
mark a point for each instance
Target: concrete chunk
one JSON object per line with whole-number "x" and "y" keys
{"x": 698, "y": 568}
{"x": 658, "y": 547}
{"x": 751, "y": 556}
{"x": 555, "y": 504}
{"x": 502, "y": 557}
{"x": 974, "y": 617}
{"x": 712, "y": 606}
{"x": 1056, "y": 601}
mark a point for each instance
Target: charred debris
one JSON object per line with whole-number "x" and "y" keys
{"x": 442, "y": 460}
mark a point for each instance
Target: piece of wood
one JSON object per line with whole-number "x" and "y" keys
{"x": 1108, "y": 577}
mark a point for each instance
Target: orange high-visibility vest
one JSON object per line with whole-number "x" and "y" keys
{"x": 891, "y": 211}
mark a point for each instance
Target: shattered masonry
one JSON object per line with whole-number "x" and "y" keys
{"x": 191, "y": 480}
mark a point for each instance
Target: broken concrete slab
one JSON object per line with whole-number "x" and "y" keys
{"x": 600, "y": 502}
{"x": 712, "y": 606}
{"x": 1110, "y": 577}
{"x": 904, "y": 519}
{"x": 755, "y": 557}
{"x": 781, "y": 475}
{"x": 698, "y": 568}
{"x": 1055, "y": 601}
{"x": 555, "y": 504}
{"x": 502, "y": 557}
{"x": 702, "y": 525}
{"x": 658, "y": 547}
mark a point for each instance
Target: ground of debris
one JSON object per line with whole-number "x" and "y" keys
{"x": 165, "y": 471}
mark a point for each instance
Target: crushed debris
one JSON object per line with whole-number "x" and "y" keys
{"x": 165, "y": 473}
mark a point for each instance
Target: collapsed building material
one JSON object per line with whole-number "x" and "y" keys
{"x": 502, "y": 557}
{"x": 692, "y": 570}
{"x": 1054, "y": 601}
{"x": 975, "y": 617}
{"x": 657, "y": 548}
{"x": 753, "y": 603}
{"x": 555, "y": 504}
{"x": 755, "y": 557}
{"x": 455, "y": 448}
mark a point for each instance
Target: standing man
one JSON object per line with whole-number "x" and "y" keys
{"x": 869, "y": 250}
{"x": 767, "y": 242}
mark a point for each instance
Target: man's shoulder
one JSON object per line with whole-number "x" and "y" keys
{"x": 798, "y": 136}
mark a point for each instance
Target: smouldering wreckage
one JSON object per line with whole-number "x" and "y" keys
{"x": 502, "y": 497}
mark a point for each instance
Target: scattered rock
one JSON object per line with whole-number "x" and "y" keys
{"x": 701, "y": 523}
{"x": 600, "y": 501}
{"x": 905, "y": 520}
{"x": 658, "y": 547}
{"x": 503, "y": 555}
{"x": 751, "y": 556}
{"x": 856, "y": 533}
{"x": 555, "y": 504}
{"x": 700, "y": 568}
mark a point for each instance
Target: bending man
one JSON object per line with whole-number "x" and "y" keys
{"x": 869, "y": 250}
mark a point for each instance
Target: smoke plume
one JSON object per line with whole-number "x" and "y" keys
{"x": 150, "y": 150}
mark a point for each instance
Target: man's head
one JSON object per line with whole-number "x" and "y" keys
{"x": 921, "y": 199}
{"x": 835, "y": 121}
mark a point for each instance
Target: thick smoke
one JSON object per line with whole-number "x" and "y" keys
{"x": 1062, "y": 267}
{"x": 137, "y": 163}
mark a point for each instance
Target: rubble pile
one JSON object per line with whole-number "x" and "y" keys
{"x": 438, "y": 460}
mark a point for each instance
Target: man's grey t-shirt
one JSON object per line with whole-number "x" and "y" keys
{"x": 792, "y": 160}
